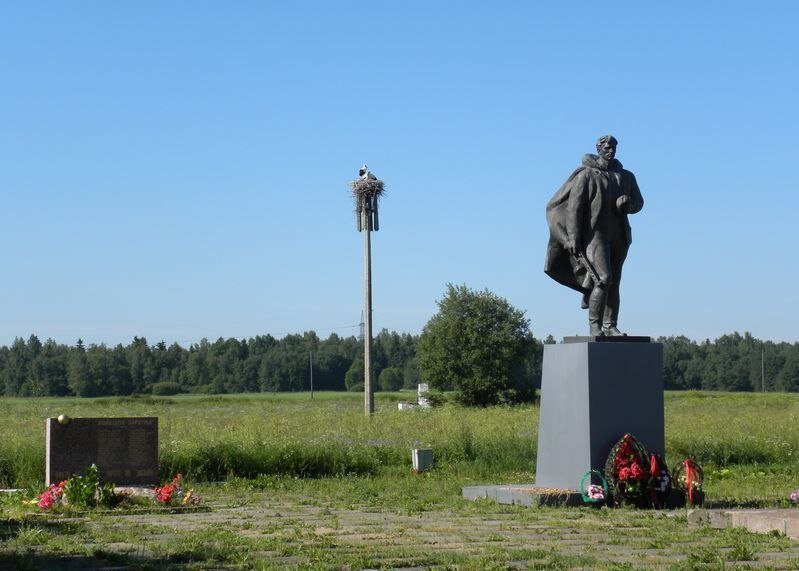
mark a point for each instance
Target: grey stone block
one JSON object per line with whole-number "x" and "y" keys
{"x": 523, "y": 495}
{"x": 591, "y": 395}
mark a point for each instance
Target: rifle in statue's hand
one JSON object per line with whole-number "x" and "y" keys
{"x": 589, "y": 268}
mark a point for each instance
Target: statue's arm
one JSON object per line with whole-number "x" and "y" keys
{"x": 635, "y": 202}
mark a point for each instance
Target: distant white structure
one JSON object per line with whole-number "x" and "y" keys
{"x": 421, "y": 398}
{"x": 421, "y": 395}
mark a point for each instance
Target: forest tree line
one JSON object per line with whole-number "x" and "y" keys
{"x": 263, "y": 363}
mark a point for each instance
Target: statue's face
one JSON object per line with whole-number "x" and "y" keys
{"x": 607, "y": 149}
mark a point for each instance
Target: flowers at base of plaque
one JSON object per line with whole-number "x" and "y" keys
{"x": 173, "y": 494}
{"x": 689, "y": 480}
{"x": 593, "y": 487}
{"x": 660, "y": 482}
{"x": 627, "y": 472}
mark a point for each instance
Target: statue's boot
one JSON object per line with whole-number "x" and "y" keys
{"x": 612, "y": 331}
{"x": 596, "y": 308}
{"x": 611, "y": 317}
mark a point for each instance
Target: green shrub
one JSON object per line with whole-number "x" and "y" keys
{"x": 166, "y": 388}
{"x": 390, "y": 379}
{"x": 355, "y": 376}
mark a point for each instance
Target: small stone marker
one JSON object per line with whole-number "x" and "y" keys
{"x": 421, "y": 393}
{"x": 422, "y": 459}
{"x": 407, "y": 405}
{"x": 125, "y": 450}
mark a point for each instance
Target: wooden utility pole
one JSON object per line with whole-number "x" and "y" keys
{"x": 368, "y": 387}
{"x": 366, "y": 190}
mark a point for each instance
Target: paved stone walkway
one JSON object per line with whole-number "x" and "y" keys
{"x": 302, "y": 533}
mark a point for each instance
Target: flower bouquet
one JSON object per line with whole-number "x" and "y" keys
{"x": 53, "y": 496}
{"x": 660, "y": 482}
{"x": 79, "y": 491}
{"x": 627, "y": 472}
{"x": 688, "y": 479}
{"x": 593, "y": 493}
{"x": 173, "y": 494}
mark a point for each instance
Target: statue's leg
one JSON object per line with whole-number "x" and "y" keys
{"x": 597, "y": 254}
{"x": 610, "y": 321}
{"x": 596, "y": 307}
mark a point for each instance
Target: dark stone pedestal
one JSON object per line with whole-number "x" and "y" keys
{"x": 592, "y": 393}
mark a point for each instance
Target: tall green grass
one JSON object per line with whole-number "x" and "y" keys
{"x": 212, "y": 438}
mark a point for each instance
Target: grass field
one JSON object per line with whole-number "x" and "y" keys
{"x": 323, "y": 461}
{"x": 747, "y": 443}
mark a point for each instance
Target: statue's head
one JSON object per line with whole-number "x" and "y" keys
{"x": 606, "y": 147}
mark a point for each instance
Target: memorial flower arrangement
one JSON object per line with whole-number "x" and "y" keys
{"x": 595, "y": 492}
{"x": 84, "y": 491}
{"x": 627, "y": 471}
{"x": 173, "y": 494}
{"x": 591, "y": 492}
{"x": 80, "y": 490}
{"x": 660, "y": 481}
{"x": 688, "y": 478}
{"x": 52, "y": 496}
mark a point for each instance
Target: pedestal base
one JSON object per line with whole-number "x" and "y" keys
{"x": 591, "y": 395}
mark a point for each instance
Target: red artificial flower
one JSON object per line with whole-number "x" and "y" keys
{"x": 624, "y": 474}
{"x": 165, "y": 494}
{"x": 636, "y": 472}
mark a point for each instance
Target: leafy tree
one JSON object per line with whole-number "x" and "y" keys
{"x": 788, "y": 379}
{"x": 478, "y": 344}
{"x": 411, "y": 375}
{"x": 16, "y": 367}
{"x": 78, "y": 371}
{"x": 354, "y": 379}
{"x": 50, "y": 367}
{"x": 390, "y": 379}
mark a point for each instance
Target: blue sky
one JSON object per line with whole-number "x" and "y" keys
{"x": 179, "y": 170}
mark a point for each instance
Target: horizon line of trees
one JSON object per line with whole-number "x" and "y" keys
{"x": 733, "y": 362}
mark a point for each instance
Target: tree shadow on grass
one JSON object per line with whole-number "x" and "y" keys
{"x": 24, "y": 547}
{"x": 20, "y": 541}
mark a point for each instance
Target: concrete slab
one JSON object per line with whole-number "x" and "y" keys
{"x": 524, "y": 495}
{"x": 785, "y": 521}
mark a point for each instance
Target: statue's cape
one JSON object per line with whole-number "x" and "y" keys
{"x": 560, "y": 265}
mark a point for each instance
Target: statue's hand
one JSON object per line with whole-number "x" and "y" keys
{"x": 573, "y": 248}
{"x": 621, "y": 203}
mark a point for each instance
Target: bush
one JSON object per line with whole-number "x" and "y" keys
{"x": 479, "y": 345}
{"x": 166, "y": 388}
{"x": 390, "y": 379}
{"x": 354, "y": 376}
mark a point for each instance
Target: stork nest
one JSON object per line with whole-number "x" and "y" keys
{"x": 367, "y": 188}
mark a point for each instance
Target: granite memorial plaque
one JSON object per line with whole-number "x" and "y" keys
{"x": 125, "y": 450}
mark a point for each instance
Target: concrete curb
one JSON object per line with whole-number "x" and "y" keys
{"x": 524, "y": 495}
{"x": 784, "y": 521}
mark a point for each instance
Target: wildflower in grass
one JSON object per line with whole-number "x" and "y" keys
{"x": 795, "y": 497}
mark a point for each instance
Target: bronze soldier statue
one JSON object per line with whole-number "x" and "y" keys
{"x": 589, "y": 233}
